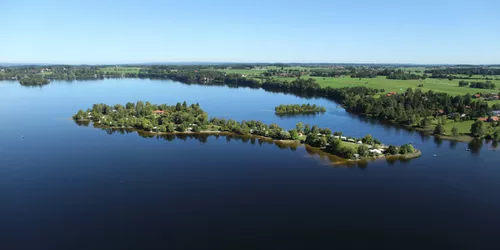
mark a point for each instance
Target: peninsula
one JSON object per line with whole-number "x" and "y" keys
{"x": 184, "y": 118}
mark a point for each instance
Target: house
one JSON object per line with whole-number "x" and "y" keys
{"x": 484, "y": 119}
{"x": 440, "y": 111}
{"x": 391, "y": 93}
{"x": 158, "y": 112}
{"x": 476, "y": 96}
{"x": 493, "y": 119}
{"x": 495, "y": 112}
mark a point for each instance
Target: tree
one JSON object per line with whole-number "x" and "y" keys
{"x": 294, "y": 134}
{"x": 496, "y": 135}
{"x": 363, "y": 151}
{"x": 406, "y": 149}
{"x": 478, "y": 129}
{"x": 299, "y": 127}
{"x": 392, "y": 150}
{"x": 368, "y": 139}
{"x": 454, "y": 131}
{"x": 439, "y": 129}
{"x": 307, "y": 129}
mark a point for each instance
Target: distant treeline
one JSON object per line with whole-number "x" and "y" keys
{"x": 464, "y": 71}
{"x": 477, "y": 85}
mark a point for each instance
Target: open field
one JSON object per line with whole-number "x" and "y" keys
{"x": 381, "y": 82}
{"x": 122, "y": 70}
{"x": 463, "y": 127}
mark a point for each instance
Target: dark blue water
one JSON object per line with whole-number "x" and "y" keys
{"x": 73, "y": 187}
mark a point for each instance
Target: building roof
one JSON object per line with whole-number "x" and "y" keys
{"x": 158, "y": 112}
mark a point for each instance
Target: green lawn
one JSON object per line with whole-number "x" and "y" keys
{"x": 381, "y": 82}
{"x": 463, "y": 127}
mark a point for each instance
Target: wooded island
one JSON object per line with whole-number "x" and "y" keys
{"x": 299, "y": 109}
{"x": 184, "y": 118}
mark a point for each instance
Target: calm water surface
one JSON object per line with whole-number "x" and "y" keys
{"x": 73, "y": 187}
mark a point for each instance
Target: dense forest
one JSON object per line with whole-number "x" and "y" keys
{"x": 298, "y": 109}
{"x": 33, "y": 81}
{"x": 191, "y": 118}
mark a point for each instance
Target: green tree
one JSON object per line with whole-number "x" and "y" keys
{"x": 368, "y": 139}
{"x": 439, "y": 129}
{"x": 392, "y": 150}
{"x": 294, "y": 134}
{"x": 299, "y": 127}
{"x": 454, "y": 131}
{"x": 363, "y": 151}
{"x": 478, "y": 129}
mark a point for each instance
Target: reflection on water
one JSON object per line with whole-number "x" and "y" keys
{"x": 292, "y": 146}
{"x": 302, "y": 115}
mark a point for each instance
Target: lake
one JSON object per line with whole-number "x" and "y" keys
{"x": 65, "y": 186}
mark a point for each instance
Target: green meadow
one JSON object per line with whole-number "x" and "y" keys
{"x": 381, "y": 82}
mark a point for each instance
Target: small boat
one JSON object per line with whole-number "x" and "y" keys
{"x": 467, "y": 149}
{"x": 434, "y": 155}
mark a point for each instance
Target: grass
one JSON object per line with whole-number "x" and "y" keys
{"x": 381, "y": 82}
{"x": 463, "y": 127}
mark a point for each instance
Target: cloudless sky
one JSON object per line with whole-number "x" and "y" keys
{"x": 355, "y": 31}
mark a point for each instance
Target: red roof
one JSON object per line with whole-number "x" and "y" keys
{"x": 482, "y": 119}
{"x": 494, "y": 118}
{"x": 158, "y": 112}
{"x": 441, "y": 111}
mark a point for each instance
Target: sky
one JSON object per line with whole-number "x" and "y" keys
{"x": 330, "y": 31}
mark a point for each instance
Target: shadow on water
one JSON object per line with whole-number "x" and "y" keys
{"x": 316, "y": 153}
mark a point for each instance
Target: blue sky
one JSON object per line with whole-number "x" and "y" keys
{"x": 356, "y": 31}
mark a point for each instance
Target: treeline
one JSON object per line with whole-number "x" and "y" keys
{"x": 402, "y": 75}
{"x": 477, "y": 85}
{"x": 464, "y": 71}
{"x": 414, "y": 106}
{"x": 297, "y": 109}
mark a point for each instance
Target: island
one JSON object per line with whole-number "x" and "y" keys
{"x": 191, "y": 119}
{"x": 33, "y": 81}
{"x": 299, "y": 109}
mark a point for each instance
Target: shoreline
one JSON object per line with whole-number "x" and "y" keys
{"x": 341, "y": 160}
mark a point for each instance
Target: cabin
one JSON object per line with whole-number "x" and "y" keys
{"x": 477, "y": 96}
{"x": 158, "y": 112}
{"x": 493, "y": 119}
{"x": 484, "y": 119}
{"x": 391, "y": 93}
